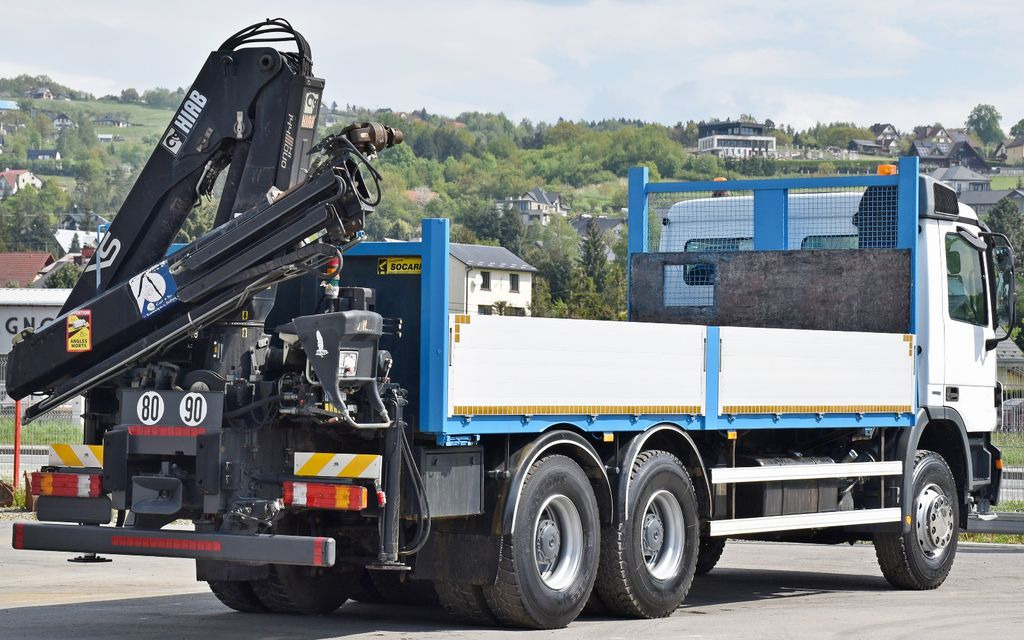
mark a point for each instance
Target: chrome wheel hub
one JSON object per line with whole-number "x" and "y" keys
{"x": 934, "y": 521}
{"x": 663, "y": 535}
{"x": 558, "y": 542}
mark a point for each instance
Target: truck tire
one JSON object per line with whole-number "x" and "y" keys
{"x": 647, "y": 563}
{"x": 921, "y": 558}
{"x": 304, "y": 590}
{"x": 397, "y": 587}
{"x": 709, "y": 552}
{"x": 363, "y": 589}
{"x": 465, "y": 602}
{"x": 237, "y": 595}
{"x": 297, "y": 590}
{"x": 549, "y": 561}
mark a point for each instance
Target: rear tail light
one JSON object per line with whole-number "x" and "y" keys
{"x": 74, "y": 485}
{"x": 319, "y": 495}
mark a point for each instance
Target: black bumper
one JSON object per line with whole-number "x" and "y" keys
{"x": 273, "y": 549}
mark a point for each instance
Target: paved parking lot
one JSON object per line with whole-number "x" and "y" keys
{"x": 758, "y": 591}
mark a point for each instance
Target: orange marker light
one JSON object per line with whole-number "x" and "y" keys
{"x": 887, "y": 170}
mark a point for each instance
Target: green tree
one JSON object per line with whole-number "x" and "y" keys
{"x": 198, "y": 222}
{"x": 983, "y": 121}
{"x": 511, "y": 231}
{"x": 1017, "y": 130}
{"x": 76, "y": 244}
{"x": 594, "y": 256}
{"x": 1006, "y": 218}
{"x": 65, "y": 277}
{"x": 129, "y": 95}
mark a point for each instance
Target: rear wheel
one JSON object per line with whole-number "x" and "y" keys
{"x": 398, "y": 587}
{"x": 708, "y": 554}
{"x": 465, "y": 602}
{"x": 549, "y": 562}
{"x": 304, "y": 590}
{"x": 363, "y": 589}
{"x": 237, "y": 595}
{"x": 647, "y": 563}
{"x": 922, "y": 557}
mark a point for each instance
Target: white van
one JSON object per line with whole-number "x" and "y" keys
{"x": 816, "y": 221}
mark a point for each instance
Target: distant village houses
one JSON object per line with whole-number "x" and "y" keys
{"x": 489, "y": 280}
{"x": 111, "y": 121}
{"x": 610, "y": 229}
{"x": 536, "y": 206}
{"x": 962, "y": 179}
{"x": 39, "y": 93}
{"x": 938, "y": 147}
{"x": 735, "y": 139}
{"x": 984, "y": 201}
{"x": 62, "y": 121}
{"x": 13, "y": 180}
{"x": 43, "y": 154}
{"x": 1011, "y": 152}
{"x": 885, "y": 143}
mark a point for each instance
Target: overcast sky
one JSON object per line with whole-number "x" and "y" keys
{"x": 795, "y": 61}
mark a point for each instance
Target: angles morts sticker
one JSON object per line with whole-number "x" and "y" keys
{"x": 153, "y": 289}
{"x": 79, "y": 331}
{"x": 310, "y": 101}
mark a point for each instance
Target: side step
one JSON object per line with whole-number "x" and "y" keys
{"x": 276, "y": 549}
{"x": 727, "y": 475}
{"x": 1011, "y": 523}
{"x": 804, "y": 521}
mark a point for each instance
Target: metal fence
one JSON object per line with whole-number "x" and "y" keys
{"x": 63, "y": 424}
{"x": 1009, "y": 437}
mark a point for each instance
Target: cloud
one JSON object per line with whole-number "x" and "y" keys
{"x": 666, "y": 60}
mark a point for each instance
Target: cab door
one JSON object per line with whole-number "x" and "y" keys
{"x": 970, "y": 369}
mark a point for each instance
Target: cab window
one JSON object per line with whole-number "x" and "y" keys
{"x": 965, "y": 282}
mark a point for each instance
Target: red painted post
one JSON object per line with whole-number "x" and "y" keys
{"x": 17, "y": 441}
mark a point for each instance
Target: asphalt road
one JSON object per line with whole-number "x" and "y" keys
{"x": 758, "y": 591}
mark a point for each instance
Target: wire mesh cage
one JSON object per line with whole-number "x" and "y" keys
{"x": 836, "y": 218}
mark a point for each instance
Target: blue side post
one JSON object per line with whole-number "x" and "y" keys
{"x": 434, "y": 325}
{"x": 638, "y": 218}
{"x": 712, "y": 367}
{"x": 771, "y": 219}
{"x": 906, "y": 230}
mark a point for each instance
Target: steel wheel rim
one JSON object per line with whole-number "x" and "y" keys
{"x": 933, "y": 527}
{"x": 558, "y": 542}
{"x": 663, "y": 535}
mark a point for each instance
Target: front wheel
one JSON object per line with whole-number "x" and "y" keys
{"x": 922, "y": 557}
{"x": 648, "y": 562}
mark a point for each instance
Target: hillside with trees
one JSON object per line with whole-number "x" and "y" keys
{"x": 455, "y": 167}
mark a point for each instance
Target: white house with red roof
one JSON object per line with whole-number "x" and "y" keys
{"x": 12, "y": 180}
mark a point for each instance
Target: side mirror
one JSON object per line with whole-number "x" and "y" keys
{"x": 1000, "y": 258}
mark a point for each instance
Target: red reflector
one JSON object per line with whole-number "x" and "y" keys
{"x": 166, "y": 432}
{"x": 74, "y": 485}
{"x": 318, "y": 552}
{"x": 346, "y": 497}
{"x": 19, "y": 535}
{"x": 180, "y": 544}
